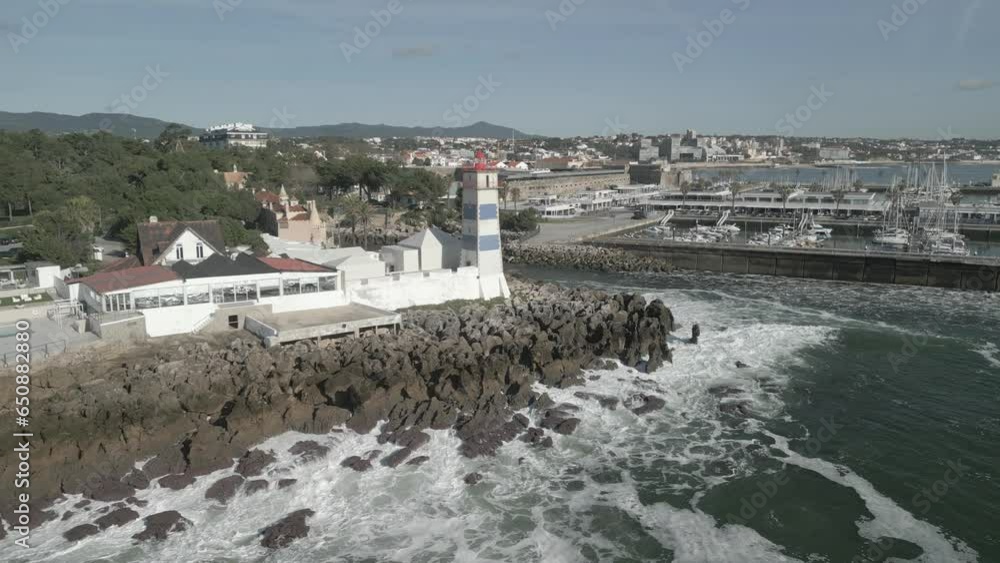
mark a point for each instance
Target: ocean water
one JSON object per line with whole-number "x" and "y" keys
{"x": 871, "y": 433}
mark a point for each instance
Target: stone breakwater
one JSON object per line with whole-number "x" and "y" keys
{"x": 195, "y": 409}
{"x": 580, "y": 257}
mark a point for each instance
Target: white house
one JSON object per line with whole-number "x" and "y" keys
{"x": 401, "y": 259}
{"x": 438, "y": 250}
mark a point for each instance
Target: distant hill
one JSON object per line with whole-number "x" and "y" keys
{"x": 149, "y": 128}
{"x": 361, "y": 130}
{"x": 56, "y": 123}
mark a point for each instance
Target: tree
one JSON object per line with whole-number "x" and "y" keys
{"x": 58, "y": 238}
{"x": 838, "y": 196}
{"x": 235, "y": 234}
{"x": 82, "y": 211}
{"x": 685, "y": 190}
{"x": 172, "y": 137}
{"x": 515, "y": 193}
{"x": 356, "y": 212}
{"x": 786, "y": 192}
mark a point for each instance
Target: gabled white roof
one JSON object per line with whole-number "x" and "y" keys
{"x": 417, "y": 240}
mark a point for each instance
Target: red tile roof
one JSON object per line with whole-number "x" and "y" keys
{"x": 293, "y": 265}
{"x": 122, "y": 264}
{"x": 267, "y": 197}
{"x": 106, "y": 282}
{"x": 234, "y": 178}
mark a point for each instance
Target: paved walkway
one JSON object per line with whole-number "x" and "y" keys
{"x": 47, "y": 337}
{"x": 572, "y": 230}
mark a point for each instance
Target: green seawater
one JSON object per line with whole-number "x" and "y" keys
{"x": 879, "y": 441}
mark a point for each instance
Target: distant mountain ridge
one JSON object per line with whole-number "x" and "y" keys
{"x": 149, "y": 128}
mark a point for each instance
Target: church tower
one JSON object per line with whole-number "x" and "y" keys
{"x": 481, "y": 227}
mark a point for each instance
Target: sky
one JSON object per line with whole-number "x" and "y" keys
{"x": 850, "y": 68}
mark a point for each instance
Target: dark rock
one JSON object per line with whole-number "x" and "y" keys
{"x": 397, "y": 457}
{"x": 225, "y": 488}
{"x": 559, "y": 421}
{"x": 170, "y": 461}
{"x": 284, "y": 483}
{"x": 356, "y": 463}
{"x": 77, "y": 533}
{"x": 308, "y": 450}
{"x": 199, "y": 410}
{"x": 254, "y": 486}
{"x": 46, "y": 516}
{"x": 285, "y": 531}
{"x": 741, "y": 365}
{"x": 137, "y": 479}
{"x": 567, "y": 426}
{"x": 67, "y": 515}
{"x": 522, "y": 420}
{"x": 136, "y": 502}
{"x": 533, "y": 436}
{"x": 161, "y": 525}
{"x": 118, "y": 517}
{"x": 610, "y": 403}
{"x": 83, "y": 503}
{"x": 412, "y": 439}
{"x": 253, "y": 462}
{"x": 602, "y": 364}
{"x": 473, "y": 478}
{"x": 695, "y": 333}
{"x": 736, "y": 408}
{"x": 176, "y": 482}
{"x": 645, "y": 404}
{"x": 108, "y": 489}
{"x": 419, "y": 460}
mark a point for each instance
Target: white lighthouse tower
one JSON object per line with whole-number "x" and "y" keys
{"x": 481, "y": 227}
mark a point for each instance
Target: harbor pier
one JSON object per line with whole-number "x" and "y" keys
{"x": 965, "y": 273}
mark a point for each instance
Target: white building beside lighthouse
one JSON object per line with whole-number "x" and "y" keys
{"x": 481, "y": 228}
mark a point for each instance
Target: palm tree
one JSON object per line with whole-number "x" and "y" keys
{"x": 786, "y": 192}
{"x": 515, "y": 193}
{"x": 838, "y": 196}
{"x": 685, "y": 190}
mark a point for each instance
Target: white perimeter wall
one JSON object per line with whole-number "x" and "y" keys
{"x": 401, "y": 291}
{"x": 305, "y": 301}
{"x": 167, "y": 321}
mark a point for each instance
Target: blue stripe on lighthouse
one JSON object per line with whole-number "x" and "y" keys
{"x": 488, "y": 211}
{"x": 489, "y": 242}
{"x": 469, "y": 212}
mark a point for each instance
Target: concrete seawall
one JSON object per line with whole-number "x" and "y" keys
{"x": 946, "y": 272}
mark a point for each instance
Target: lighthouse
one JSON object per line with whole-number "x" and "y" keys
{"x": 481, "y": 227}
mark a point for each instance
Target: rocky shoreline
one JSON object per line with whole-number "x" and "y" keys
{"x": 191, "y": 411}
{"x": 582, "y": 257}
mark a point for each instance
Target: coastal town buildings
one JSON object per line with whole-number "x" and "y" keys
{"x": 564, "y": 183}
{"x": 234, "y": 135}
{"x": 184, "y": 279}
{"x": 236, "y": 180}
{"x": 834, "y": 153}
{"x": 283, "y": 217}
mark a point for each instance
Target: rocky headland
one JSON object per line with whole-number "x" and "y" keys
{"x": 194, "y": 409}
{"x": 582, "y": 257}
